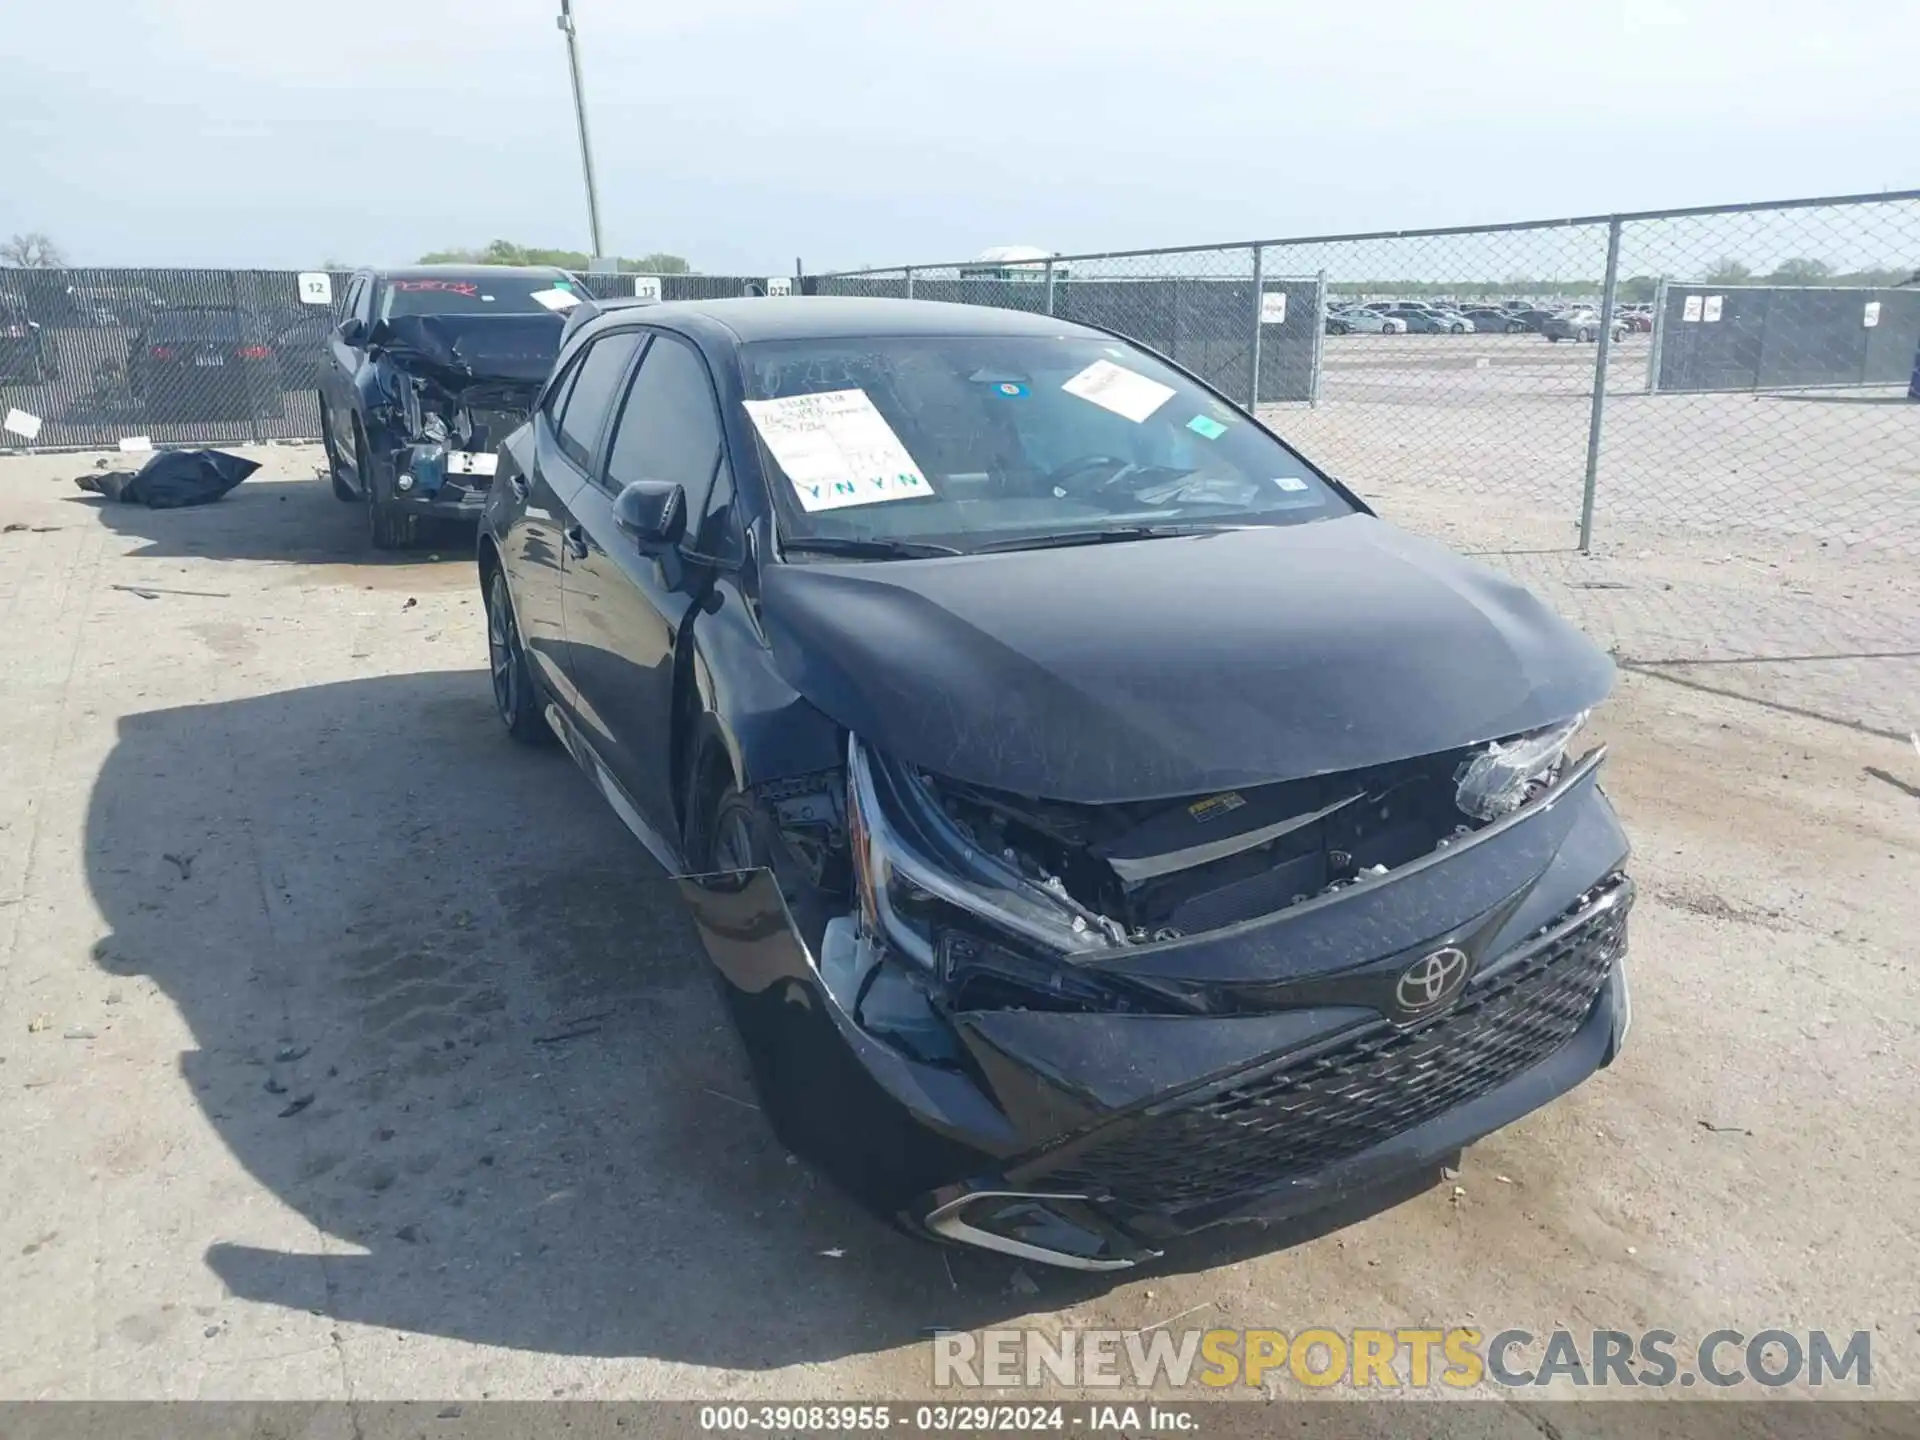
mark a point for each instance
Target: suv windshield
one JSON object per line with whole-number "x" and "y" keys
{"x": 978, "y": 441}
{"x": 467, "y": 295}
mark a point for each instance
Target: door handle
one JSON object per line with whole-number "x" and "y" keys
{"x": 518, "y": 484}
{"x": 576, "y": 538}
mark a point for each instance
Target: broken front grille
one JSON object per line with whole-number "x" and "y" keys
{"x": 1296, "y": 1115}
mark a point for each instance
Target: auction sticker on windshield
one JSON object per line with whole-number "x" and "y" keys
{"x": 1116, "y": 388}
{"x": 837, "y": 450}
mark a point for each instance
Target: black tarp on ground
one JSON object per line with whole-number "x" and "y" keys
{"x": 172, "y": 479}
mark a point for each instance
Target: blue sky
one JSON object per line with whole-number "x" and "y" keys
{"x": 745, "y": 133}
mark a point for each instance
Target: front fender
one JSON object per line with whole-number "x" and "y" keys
{"x": 376, "y": 404}
{"x": 740, "y": 702}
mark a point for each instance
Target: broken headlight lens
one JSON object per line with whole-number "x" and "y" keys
{"x": 908, "y": 858}
{"x": 1507, "y": 774}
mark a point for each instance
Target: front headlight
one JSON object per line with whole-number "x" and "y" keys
{"x": 1504, "y": 776}
{"x": 909, "y": 858}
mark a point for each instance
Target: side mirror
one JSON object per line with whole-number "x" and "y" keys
{"x": 352, "y": 331}
{"x": 653, "y": 512}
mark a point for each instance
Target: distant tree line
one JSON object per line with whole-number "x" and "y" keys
{"x": 1732, "y": 271}
{"x": 31, "y": 251}
{"x": 505, "y": 252}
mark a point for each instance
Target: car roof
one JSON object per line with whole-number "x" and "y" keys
{"x": 836, "y": 317}
{"x": 469, "y": 272}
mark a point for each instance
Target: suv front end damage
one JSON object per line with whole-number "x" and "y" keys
{"x": 1070, "y": 1032}
{"x": 443, "y": 392}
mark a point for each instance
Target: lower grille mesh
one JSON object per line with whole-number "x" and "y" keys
{"x": 1296, "y": 1115}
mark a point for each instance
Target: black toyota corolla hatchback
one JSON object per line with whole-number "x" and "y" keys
{"x": 1102, "y": 824}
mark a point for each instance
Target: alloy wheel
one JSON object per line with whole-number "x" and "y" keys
{"x": 503, "y": 650}
{"x": 732, "y": 840}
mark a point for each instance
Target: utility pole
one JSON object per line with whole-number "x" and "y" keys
{"x": 565, "y": 21}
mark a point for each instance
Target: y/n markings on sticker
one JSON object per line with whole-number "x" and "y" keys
{"x": 837, "y": 450}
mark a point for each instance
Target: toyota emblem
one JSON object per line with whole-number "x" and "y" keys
{"x": 1432, "y": 980}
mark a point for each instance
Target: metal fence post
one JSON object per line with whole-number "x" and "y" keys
{"x": 1319, "y": 343}
{"x": 1259, "y": 285}
{"x": 244, "y": 328}
{"x": 909, "y": 282}
{"x": 1049, "y": 285}
{"x": 1605, "y": 342}
{"x": 1659, "y": 334}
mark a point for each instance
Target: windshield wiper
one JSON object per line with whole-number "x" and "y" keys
{"x": 864, "y": 549}
{"x": 1111, "y": 534}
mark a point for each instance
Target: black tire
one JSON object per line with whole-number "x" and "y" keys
{"x": 341, "y": 490}
{"x": 1585, "y": 337}
{"x": 516, "y": 694}
{"x": 388, "y": 526}
{"x": 1553, "y": 339}
{"x": 731, "y": 833}
{"x": 1459, "y": 329}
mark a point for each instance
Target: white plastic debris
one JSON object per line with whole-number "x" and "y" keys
{"x": 26, "y": 426}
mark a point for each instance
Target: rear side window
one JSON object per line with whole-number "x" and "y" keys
{"x": 591, "y": 394}
{"x": 556, "y": 402}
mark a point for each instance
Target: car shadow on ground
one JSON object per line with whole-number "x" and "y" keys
{"x": 297, "y": 521}
{"x": 447, "y": 1010}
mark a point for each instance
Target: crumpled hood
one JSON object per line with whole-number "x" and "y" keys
{"x": 456, "y": 351}
{"x": 1160, "y": 668}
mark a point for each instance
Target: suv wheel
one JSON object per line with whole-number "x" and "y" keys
{"x": 341, "y": 490}
{"x": 516, "y": 695}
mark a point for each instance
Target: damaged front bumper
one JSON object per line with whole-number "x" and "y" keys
{"x": 1292, "y": 1080}
{"x": 432, "y": 479}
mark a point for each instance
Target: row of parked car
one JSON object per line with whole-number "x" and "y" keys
{"x": 182, "y": 363}
{"x": 1558, "y": 321}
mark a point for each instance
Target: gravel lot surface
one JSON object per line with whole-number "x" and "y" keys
{"x": 349, "y": 1051}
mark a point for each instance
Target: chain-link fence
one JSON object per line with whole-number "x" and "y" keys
{"x": 1251, "y": 333}
{"x": 92, "y": 357}
{"x": 1692, "y": 428}
{"x": 198, "y": 357}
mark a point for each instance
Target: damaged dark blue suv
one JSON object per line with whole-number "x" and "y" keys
{"x": 1104, "y": 826}
{"x": 427, "y": 371}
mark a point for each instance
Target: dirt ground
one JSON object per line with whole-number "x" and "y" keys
{"x": 349, "y": 1051}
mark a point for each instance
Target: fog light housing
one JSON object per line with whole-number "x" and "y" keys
{"x": 1053, "y": 1229}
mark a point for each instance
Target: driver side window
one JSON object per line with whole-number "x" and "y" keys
{"x": 669, "y": 428}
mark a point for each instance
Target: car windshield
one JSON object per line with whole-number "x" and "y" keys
{"x": 974, "y": 441}
{"x": 477, "y": 294}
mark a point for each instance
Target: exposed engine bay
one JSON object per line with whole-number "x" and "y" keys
{"x": 990, "y": 899}
{"x": 1167, "y": 869}
{"x": 452, "y": 387}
